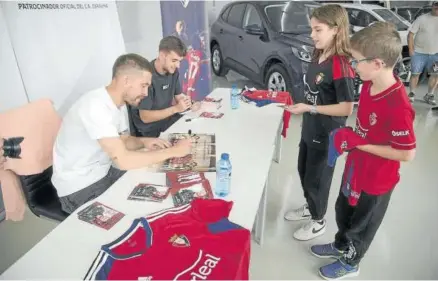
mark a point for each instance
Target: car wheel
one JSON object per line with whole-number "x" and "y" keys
{"x": 277, "y": 79}
{"x": 217, "y": 62}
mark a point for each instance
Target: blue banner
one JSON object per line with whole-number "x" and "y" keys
{"x": 187, "y": 20}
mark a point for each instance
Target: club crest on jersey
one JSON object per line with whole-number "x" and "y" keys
{"x": 319, "y": 78}
{"x": 373, "y": 119}
{"x": 179, "y": 241}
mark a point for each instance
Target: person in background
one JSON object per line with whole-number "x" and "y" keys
{"x": 385, "y": 120}
{"x": 94, "y": 136}
{"x": 423, "y": 49}
{"x": 329, "y": 96}
{"x": 165, "y": 101}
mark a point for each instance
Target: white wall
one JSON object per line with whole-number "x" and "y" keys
{"x": 65, "y": 52}
{"x": 140, "y": 22}
{"x": 12, "y": 93}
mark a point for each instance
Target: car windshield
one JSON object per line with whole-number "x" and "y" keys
{"x": 407, "y": 13}
{"x": 389, "y": 16}
{"x": 291, "y": 17}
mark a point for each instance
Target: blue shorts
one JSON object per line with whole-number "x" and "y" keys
{"x": 420, "y": 61}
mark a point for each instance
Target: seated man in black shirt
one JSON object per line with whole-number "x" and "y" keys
{"x": 165, "y": 100}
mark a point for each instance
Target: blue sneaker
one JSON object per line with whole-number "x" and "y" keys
{"x": 338, "y": 270}
{"x": 326, "y": 251}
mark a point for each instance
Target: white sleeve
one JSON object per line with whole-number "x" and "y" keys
{"x": 123, "y": 127}
{"x": 98, "y": 121}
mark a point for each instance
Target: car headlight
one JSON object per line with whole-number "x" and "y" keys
{"x": 304, "y": 53}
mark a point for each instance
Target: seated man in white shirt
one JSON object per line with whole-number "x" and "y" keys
{"x": 94, "y": 135}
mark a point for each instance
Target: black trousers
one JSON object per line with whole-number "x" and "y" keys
{"x": 166, "y": 124}
{"x": 357, "y": 225}
{"x": 316, "y": 178}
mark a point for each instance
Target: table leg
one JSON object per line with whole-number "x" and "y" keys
{"x": 278, "y": 144}
{"x": 259, "y": 227}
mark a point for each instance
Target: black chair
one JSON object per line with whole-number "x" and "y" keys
{"x": 41, "y": 195}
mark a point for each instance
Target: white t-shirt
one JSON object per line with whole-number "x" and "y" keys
{"x": 425, "y": 29}
{"x": 78, "y": 159}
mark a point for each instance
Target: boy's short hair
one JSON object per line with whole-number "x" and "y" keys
{"x": 380, "y": 40}
{"x": 173, "y": 44}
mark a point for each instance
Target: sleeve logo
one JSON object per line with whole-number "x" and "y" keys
{"x": 400, "y": 133}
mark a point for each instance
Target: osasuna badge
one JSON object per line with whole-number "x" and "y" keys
{"x": 179, "y": 241}
{"x": 319, "y": 78}
{"x": 373, "y": 119}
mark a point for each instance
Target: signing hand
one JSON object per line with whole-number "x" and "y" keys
{"x": 2, "y": 158}
{"x": 298, "y": 108}
{"x": 155, "y": 143}
{"x": 183, "y": 147}
{"x": 183, "y": 104}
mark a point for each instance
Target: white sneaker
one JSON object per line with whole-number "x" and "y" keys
{"x": 310, "y": 230}
{"x": 301, "y": 213}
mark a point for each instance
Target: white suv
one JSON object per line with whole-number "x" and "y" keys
{"x": 363, "y": 15}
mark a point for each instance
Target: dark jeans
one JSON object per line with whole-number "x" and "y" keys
{"x": 73, "y": 201}
{"x": 357, "y": 225}
{"x": 316, "y": 178}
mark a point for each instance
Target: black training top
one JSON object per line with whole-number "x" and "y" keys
{"x": 160, "y": 96}
{"x": 326, "y": 83}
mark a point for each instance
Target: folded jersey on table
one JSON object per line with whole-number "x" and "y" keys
{"x": 194, "y": 241}
{"x": 264, "y": 97}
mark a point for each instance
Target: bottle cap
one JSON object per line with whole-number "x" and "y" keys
{"x": 225, "y": 156}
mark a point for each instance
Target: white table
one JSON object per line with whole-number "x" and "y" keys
{"x": 250, "y": 135}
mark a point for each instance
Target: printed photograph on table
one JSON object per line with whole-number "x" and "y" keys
{"x": 100, "y": 215}
{"x": 149, "y": 192}
{"x": 213, "y": 115}
{"x": 182, "y": 196}
{"x": 187, "y": 20}
{"x": 202, "y": 157}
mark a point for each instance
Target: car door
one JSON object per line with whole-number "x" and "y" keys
{"x": 230, "y": 33}
{"x": 253, "y": 42}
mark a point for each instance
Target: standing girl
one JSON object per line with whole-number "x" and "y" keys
{"x": 328, "y": 94}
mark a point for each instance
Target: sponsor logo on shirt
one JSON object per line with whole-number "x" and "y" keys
{"x": 319, "y": 78}
{"x": 361, "y": 133}
{"x": 179, "y": 241}
{"x": 309, "y": 95}
{"x": 165, "y": 87}
{"x": 202, "y": 273}
{"x": 400, "y": 133}
{"x": 373, "y": 119}
{"x": 148, "y": 278}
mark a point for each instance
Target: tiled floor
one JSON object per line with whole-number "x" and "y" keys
{"x": 406, "y": 246}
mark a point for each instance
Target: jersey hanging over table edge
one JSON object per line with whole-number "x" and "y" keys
{"x": 102, "y": 265}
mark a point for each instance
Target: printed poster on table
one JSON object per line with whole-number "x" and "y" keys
{"x": 187, "y": 20}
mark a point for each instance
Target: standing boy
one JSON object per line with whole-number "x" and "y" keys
{"x": 385, "y": 122}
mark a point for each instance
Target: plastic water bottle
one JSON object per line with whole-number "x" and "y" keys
{"x": 235, "y": 97}
{"x": 223, "y": 176}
